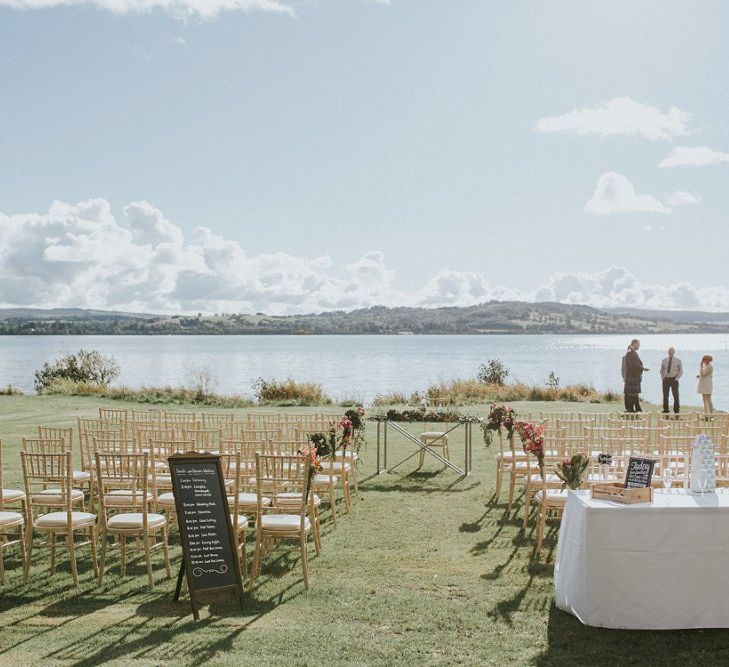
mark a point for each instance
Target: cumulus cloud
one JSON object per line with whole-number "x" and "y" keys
{"x": 614, "y": 193}
{"x": 204, "y": 9}
{"x": 83, "y": 255}
{"x": 620, "y": 116}
{"x": 681, "y": 198}
{"x": 617, "y": 287}
{"x": 695, "y": 156}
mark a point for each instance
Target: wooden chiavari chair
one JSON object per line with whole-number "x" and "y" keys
{"x": 51, "y": 497}
{"x": 10, "y": 521}
{"x": 551, "y": 504}
{"x": 81, "y": 478}
{"x": 231, "y": 467}
{"x": 206, "y": 440}
{"x": 126, "y": 495}
{"x": 151, "y": 417}
{"x": 114, "y": 416}
{"x": 163, "y": 479}
{"x": 42, "y": 470}
{"x": 277, "y": 475}
{"x": 216, "y": 420}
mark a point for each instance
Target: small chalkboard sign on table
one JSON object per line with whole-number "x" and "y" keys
{"x": 209, "y": 559}
{"x": 640, "y": 473}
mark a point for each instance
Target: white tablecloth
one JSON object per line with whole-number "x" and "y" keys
{"x": 659, "y": 565}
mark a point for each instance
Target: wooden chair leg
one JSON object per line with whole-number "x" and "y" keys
{"x": 243, "y": 554}
{"x": 52, "y": 541}
{"x": 512, "y": 485}
{"x": 316, "y": 530}
{"x": 166, "y": 553}
{"x": 2, "y": 565}
{"x": 333, "y": 503}
{"x": 499, "y": 473}
{"x": 123, "y": 553}
{"x": 345, "y": 491}
{"x": 304, "y": 561}
{"x": 540, "y": 529}
{"x": 29, "y": 545}
{"x": 72, "y": 555}
{"x": 24, "y": 553}
{"x": 148, "y": 559}
{"x": 94, "y": 559}
{"x": 256, "y": 562}
{"x": 104, "y": 538}
{"x": 527, "y": 504}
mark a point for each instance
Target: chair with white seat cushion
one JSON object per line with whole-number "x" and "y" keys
{"x": 81, "y": 478}
{"x": 126, "y": 495}
{"x": 9, "y": 496}
{"x": 11, "y": 521}
{"x": 57, "y": 445}
{"x": 279, "y": 475}
{"x": 434, "y": 439}
{"x": 41, "y": 470}
{"x": 239, "y": 505}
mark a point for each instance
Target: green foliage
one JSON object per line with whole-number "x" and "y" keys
{"x": 9, "y": 390}
{"x": 289, "y": 393}
{"x": 493, "y": 372}
{"x": 85, "y": 366}
{"x": 552, "y": 380}
{"x": 573, "y": 471}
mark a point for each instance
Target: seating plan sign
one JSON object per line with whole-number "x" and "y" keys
{"x": 209, "y": 559}
{"x": 640, "y": 473}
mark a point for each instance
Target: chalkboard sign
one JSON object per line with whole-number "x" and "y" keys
{"x": 640, "y": 472}
{"x": 209, "y": 559}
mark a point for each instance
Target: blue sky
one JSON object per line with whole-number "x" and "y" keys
{"x": 338, "y": 153}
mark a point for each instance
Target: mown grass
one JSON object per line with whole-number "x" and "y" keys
{"x": 427, "y": 569}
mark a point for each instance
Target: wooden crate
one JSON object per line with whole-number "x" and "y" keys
{"x": 616, "y": 492}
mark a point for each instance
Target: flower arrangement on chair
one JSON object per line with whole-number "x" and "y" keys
{"x": 311, "y": 454}
{"x": 572, "y": 470}
{"x": 500, "y": 416}
{"x": 532, "y": 441}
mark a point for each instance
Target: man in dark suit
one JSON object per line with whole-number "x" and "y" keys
{"x": 633, "y": 370}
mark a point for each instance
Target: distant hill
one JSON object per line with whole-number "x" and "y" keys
{"x": 503, "y": 317}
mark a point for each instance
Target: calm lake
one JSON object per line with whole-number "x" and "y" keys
{"x": 363, "y": 366}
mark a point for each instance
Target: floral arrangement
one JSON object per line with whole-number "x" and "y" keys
{"x": 311, "y": 454}
{"x": 357, "y": 424}
{"x": 324, "y": 443}
{"x": 572, "y": 470}
{"x": 532, "y": 440}
{"x": 500, "y": 417}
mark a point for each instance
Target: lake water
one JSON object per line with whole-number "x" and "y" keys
{"x": 363, "y": 366}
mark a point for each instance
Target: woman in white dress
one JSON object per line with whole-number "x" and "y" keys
{"x": 706, "y": 384}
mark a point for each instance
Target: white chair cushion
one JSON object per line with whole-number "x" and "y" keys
{"x": 284, "y": 522}
{"x": 248, "y": 500}
{"x": 431, "y": 435}
{"x": 350, "y": 455}
{"x": 166, "y": 499}
{"x": 8, "y": 519}
{"x": 81, "y": 476}
{"x": 124, "y": 498}
{"x": 11, "y": 495}
{"x": 166, "y": 480}
{"x": 289, "y": 499}
{"x": 58, "y": 520}
{"x": 336, "y": 466}
{"x": 55, "y": 497}
{"x": 550, "y": 477}
{"x": 239, "y": 520}
{"x": 134, "y": 520}
{"x": 554, "y": 496}
{"x": 323, "y": 480}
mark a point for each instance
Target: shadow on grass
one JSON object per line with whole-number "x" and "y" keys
{"x": 571, "y": 643}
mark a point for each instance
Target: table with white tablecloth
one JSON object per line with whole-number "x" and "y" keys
{"x": 658, "y": 565}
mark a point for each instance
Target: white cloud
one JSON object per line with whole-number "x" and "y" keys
{"x": 681, "y": 198}
{"x": 614, "y": 193}
{"x": 695, "y": 156}
{"x": 81, "y": 255}
{"x": 617, "y": 287}
{"x": 620, "y": 116}
{"x": 205, "y": 9}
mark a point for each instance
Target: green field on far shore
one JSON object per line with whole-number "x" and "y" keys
{"x": 427, "y": 569}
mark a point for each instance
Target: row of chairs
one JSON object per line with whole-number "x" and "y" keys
{"x": 130, "y": 507}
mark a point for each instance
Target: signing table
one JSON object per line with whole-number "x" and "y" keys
{"x": 659, "y": 565}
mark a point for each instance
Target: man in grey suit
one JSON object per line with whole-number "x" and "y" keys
{"x": 671, "y": 372}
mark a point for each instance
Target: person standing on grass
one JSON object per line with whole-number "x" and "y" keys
{"x": 633, "y": 370}
{"x": 671, "y": 372}
{"x": 706, "y": 383}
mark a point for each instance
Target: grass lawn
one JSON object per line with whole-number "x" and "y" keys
{"x": 426, "y": 569}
